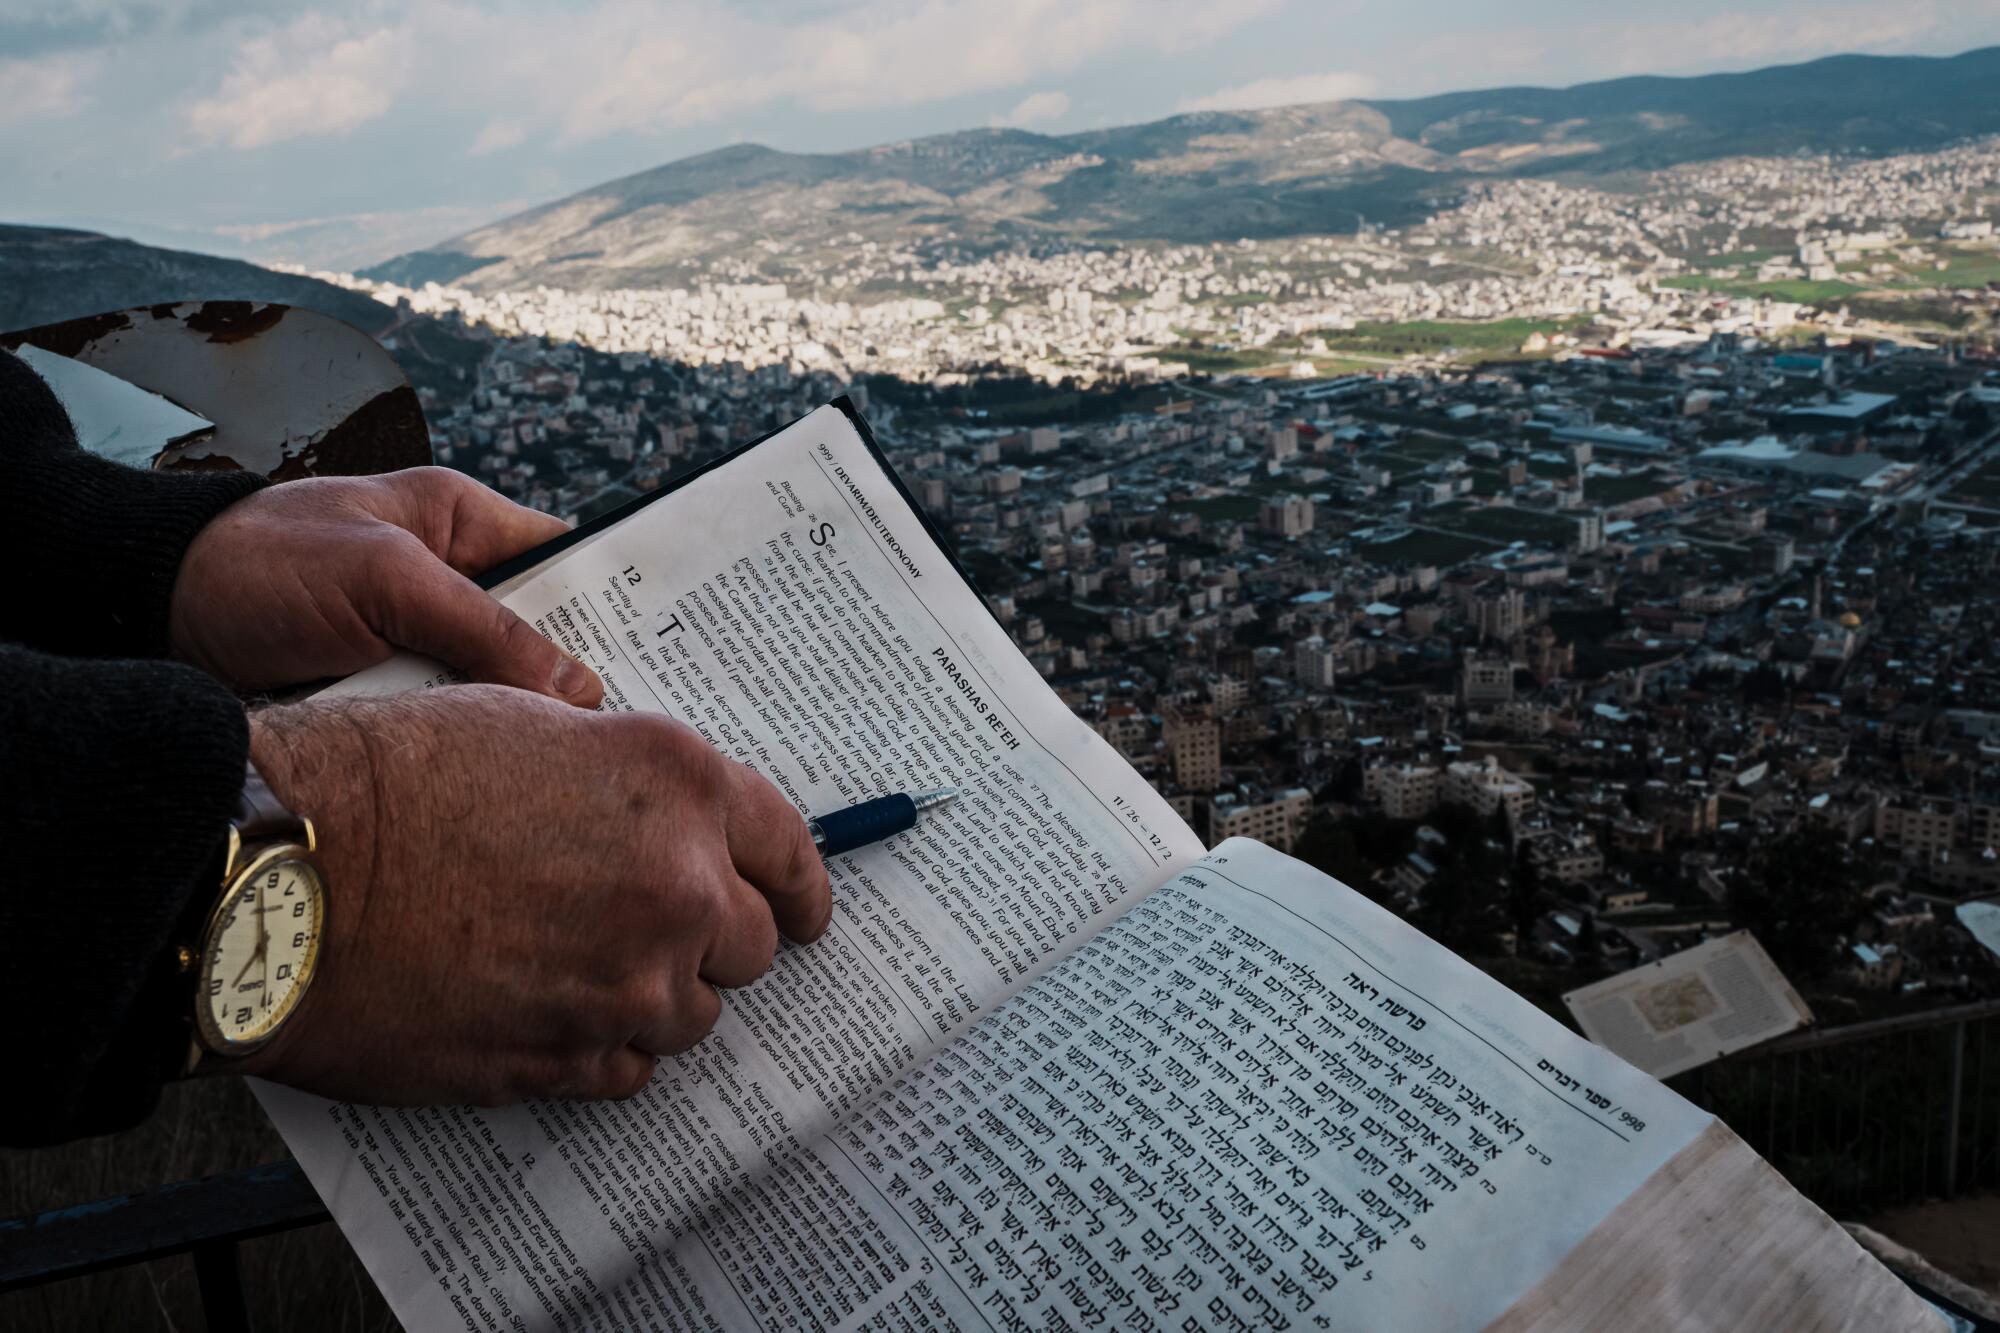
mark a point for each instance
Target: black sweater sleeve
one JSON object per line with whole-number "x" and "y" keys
{"x": 117, "y": 777}
{"x": 117, "y": 780}
{"x": 89, "y": 548}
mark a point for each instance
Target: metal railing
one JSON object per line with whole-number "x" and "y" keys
{"x": 1870, "y": 1115}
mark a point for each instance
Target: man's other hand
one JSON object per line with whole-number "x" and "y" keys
{"x": 325, "y": 576}
{"x": 524, "y": 899}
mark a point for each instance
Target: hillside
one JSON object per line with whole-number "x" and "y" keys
{"x": 1207, "y": 176}
{"x": 49, "y": 274}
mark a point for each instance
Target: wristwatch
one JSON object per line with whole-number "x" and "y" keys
{"x": 259, "y": 945}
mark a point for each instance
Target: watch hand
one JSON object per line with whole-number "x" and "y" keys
{"x": 255, "y": 955}
{"x": 263, "y": 946}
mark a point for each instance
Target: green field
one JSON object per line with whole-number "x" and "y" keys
{"x": 1214, "y": 361}
{"x": 1397, "y": 465}
{"x": 1431, "y": 448}
{"x": 1221, "y": 508}
{"x": 1502, "y": 524}
{"x": 1469, "y": 340}
{"x": 1205, "y": 360}
{"x": 1631, "y": 486}
{"x": 1428, "y": 548}
{"x": 1967, "y": 270}
{"x": 1802, "y": 290}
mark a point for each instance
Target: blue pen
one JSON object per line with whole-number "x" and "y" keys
{"x": 872, "y": 821}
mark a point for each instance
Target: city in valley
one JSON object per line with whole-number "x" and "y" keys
{"x": 1580, "y": 571}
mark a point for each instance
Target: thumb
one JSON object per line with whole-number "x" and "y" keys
{"x": 439, "y": 612}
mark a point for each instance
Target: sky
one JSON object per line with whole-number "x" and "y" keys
{"x": 340, "y": 133}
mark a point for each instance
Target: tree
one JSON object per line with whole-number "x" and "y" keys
{"x": 1801, "y": 896}
{"x": 1525, "y": 897}
{"x": 1766, "y": 685}
{"x": 1330, "y": 845}
{"x": 1460, "y": 910}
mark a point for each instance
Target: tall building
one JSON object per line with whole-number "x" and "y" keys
{"x": 1484, "y": 682}
{"x": 1499, "y": 615}
{"x": 1194, "y": 747}
{"x": 1286, "y": 515}
{"x": 1589, "y": 532}
{"x": 1316, "y": 665}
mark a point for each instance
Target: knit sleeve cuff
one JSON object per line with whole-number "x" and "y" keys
{"x": 121, "y": 533}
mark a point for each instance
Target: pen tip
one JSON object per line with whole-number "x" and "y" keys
{"x": 932, "y": 799}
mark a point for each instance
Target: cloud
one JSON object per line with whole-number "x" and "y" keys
{"x": 1625, "y": 42}
{"x": 312, "y": 76}
{"x": 1295, "y": 90}
{"x": 1036, "y": 108}
{"x": 48, "y": 86}
{"x": 649, "y": 66}
{"x": 497, "y": 135}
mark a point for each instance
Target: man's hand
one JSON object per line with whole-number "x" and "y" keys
{"x": 524, "y": 899}
{"x": 326, "y": 576}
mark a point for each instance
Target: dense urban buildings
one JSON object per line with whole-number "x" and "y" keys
{"x": 1566, "y": 588}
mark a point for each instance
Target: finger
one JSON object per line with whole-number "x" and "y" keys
{"x": 625, "y": 1073}
{"x": 487, "y": 528}
{"x": 470, "y": 526}
{"x": 772, "y": 848}
{"x": 618, "y": 1072}
{"x": 745, "y": 939}
{"x": 695, "y": 1008}
{"x": 416, "y": 602}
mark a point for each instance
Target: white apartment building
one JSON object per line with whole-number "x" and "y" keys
{"x": 1486, "y": 787}
{"x": 1404, "y": 791}
{"x": 1274, "y": 822}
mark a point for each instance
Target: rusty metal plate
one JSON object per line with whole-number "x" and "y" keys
{"x": 292, "y": 392}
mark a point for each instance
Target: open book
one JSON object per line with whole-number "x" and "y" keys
{"x": 1053, "y": 1066}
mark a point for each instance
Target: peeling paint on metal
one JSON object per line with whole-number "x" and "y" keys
{"x": 234, "y": 321}
{"x": 291, "y": 392}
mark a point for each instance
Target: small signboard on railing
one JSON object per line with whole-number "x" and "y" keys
{"x": 1692, "y": 1007}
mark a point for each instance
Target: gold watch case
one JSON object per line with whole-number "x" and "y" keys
{"x": 245, "y": 863}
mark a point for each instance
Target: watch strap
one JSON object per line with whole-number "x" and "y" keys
{"x": 261, "y": 816}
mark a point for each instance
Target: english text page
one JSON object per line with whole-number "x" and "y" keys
{"x": 790, "y": 606}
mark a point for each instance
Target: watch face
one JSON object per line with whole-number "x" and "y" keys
{"x": 260, "y": 952}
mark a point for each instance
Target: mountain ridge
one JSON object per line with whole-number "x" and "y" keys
{"x": 1205, "y": 175}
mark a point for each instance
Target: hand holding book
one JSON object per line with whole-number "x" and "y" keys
{"x": 496, "y": 932}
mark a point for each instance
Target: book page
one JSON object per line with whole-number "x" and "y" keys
{"x": 790, "y": 606}
{"x": 1691, "y": 1007}
{"x": 1255, "y": 1102}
